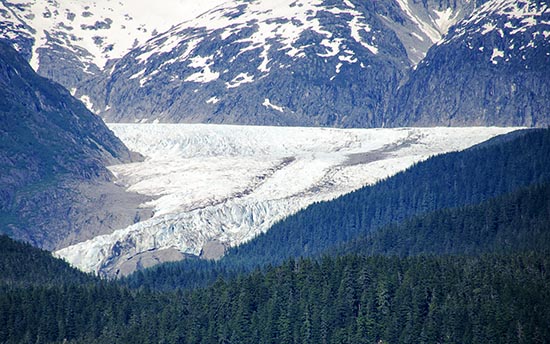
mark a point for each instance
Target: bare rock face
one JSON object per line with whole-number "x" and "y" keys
{"x": 213, "y": 250}
{"x": 53, "y": 153}
{"x": 125, "y": 267}
{"x": 493, "y": 68}
{"x": 72, "y": 210}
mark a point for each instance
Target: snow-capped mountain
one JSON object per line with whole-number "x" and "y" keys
{"x": 71, "y": 40}
{"x": 285, "y": 62}
{"x": 304, "y": 62}
{"x": 493, "y": 68}
{"x": 216, "y": 186}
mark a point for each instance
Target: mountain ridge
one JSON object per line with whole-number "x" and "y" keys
{"x": 491, "y": 69}
{"x": 310, "y": 62}
{"x": 53, "y": 152}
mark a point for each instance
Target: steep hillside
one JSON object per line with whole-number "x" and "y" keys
{"x": 22, "y": 265}
{"x": 493, "y": 68}
{"x": 70, "y": 41}
{"x": 449, "y": 180}
{"x": 516, "y": 222}
{"x": 50, "y": 147}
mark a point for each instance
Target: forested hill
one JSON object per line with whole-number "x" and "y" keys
{"x": 451, "y": 180}
{"x": 22, "y": 264}
{"x": 348, "y": 299}
{"x": 512, "y": 223}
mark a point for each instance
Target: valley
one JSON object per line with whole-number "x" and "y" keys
{"x": 218, "y": 186}
{"x": 289, "y": 171}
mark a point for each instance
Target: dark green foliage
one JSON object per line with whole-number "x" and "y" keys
{"x": 186, "y": 274}
{"x": 516, "y": 222}
{"x": 351, "y": 299}
{"x": 23, "y": 265}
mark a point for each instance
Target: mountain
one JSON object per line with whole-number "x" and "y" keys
{"x": 70, "y": 41}
{"x": 305, "y": 62}
{"x": 493, "y": 68}
{"x": 344, "y": 63}
{"x": 53, "y": 157}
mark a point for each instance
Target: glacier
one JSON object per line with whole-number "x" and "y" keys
{"x": 226, "y": 183}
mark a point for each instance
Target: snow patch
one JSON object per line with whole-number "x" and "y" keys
{"x": 488, "y": 27}
{"x": 213, "y": 100}
{"x": 242, "y": 78}
{"x": 204, "y": 76}
{"x": 496, "y": 54}
{"x": 349, "y": 4}
{"x": 333, "y": 47}
{"x": 87, "y": 102}
{"x": 265, "y": 60}
{"x": 347, "y": 58}
{"x": 445, "y": 19}
{"x": 267, "y": 103}
{"x": 425, "y": 27}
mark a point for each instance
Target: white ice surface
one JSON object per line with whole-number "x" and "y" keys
{"x": 230, "y": 183}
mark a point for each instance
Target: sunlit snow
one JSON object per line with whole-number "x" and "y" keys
{"x": 107, "y": 29}
{"x": 496, "y": 54}
{"x": 230, "y": 183}
{"x": 427, "y": 29}
{"x": 267, "y": 103}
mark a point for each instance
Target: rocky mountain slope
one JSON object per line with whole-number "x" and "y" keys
{"x": 51, "y": 149}
{"x": 306, "y": 62}
{"x": 493, "y": 68}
